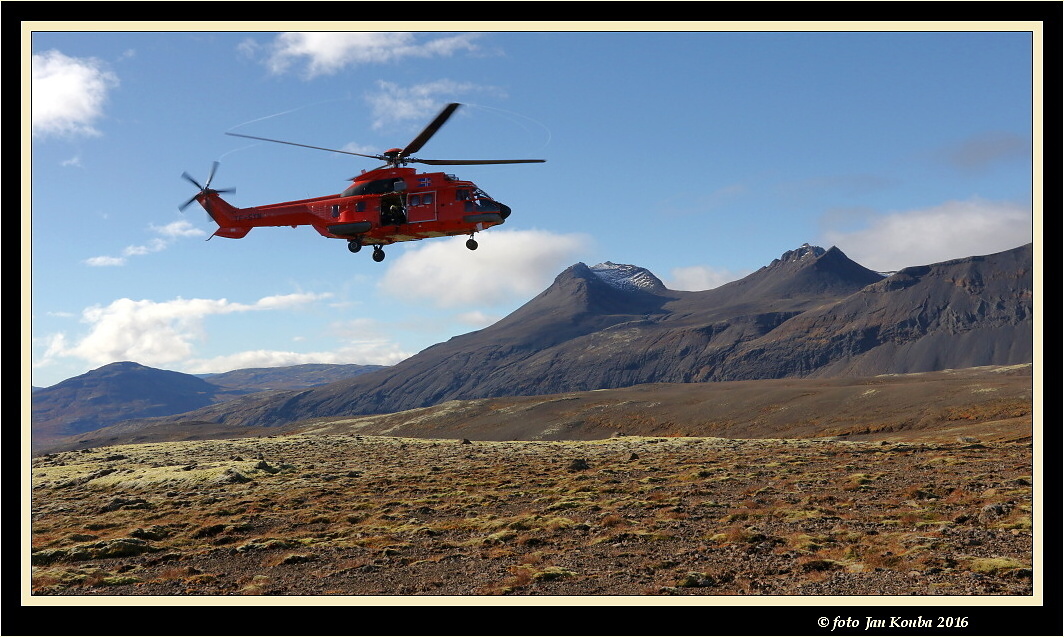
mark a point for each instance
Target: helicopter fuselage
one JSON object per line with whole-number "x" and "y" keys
{"x": 382, "y": 206}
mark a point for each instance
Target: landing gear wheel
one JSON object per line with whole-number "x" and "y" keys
{"x": 354, "y": 245}
{"x": 378, "y": 254}
{"x": 471, "y": 244}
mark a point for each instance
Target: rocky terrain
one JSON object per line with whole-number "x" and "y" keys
{"x": 354, "y": 515}
{"x": 932, "y": 496}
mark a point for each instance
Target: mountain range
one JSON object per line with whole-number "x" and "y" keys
{"x": 812, "y": 313}
{"x": 126, "y": 390}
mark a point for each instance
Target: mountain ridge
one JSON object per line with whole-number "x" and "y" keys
{"x": 126, "y": 390}
{"x": 810, "y": 313}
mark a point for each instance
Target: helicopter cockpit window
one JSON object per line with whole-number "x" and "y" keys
{"x": 461, "y": 194}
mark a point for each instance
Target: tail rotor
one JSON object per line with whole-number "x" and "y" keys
{"x": 205, "y": 190}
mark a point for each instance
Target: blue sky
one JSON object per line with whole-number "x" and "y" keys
{"x": 701, "y": 156}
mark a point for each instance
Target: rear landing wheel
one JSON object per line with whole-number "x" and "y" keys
{"x": 378, "y": 254}
{"x": 471, "y": 244}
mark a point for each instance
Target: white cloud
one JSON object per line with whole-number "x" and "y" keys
{"x": 700, "y": 277}
{"x": 154, "y": 333}
{"x": 105, "y": 261}
{"x": 420, "y": 102}
{"x": 326, "y": 53}
{"x": 477, "y": 319}
{"x": 509, "y": 265}
{"x": 178, "y": 229}
{"x": 68, "y": 94}
{"x": 951, "y": 230}
{"x": 168, "y": 234}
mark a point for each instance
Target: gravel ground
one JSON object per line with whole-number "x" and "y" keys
{"x": 347, "y": 515}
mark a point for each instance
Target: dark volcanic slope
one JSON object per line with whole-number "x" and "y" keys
{"x": 288, "y": 377}
{"x": 129, "y": 391}
{"x": 987, "y": 403}
{"x": 583, "y": 333}
{"x": 113, "y": 393}
{"x": 811, "y": 313}
{"x": 950, "y": 315}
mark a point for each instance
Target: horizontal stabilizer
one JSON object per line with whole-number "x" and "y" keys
{"x": 231, "y": 233}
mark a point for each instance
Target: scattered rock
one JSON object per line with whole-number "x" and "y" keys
{"x": 231, "y": 476}
{"x": 579, "y": 464}
{"x": 124, "y": 503}
{"x": 208, "y": 531}
{"x": 695, "y": 580}
{"x": 119, "y": 547}
{"x": 992, "y": 512}
{"x": 153, "y": 532}
{"x": 298, "y": 558}
{"x": 262, "y": 465}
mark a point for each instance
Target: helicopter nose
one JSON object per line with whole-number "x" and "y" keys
{"x": 504, "y": 210}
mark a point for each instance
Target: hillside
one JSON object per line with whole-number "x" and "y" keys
{"x": 128, "y": 391}
{"x": 811, "y": 313}
{"x": 990, "y": 403}
{"x": 287, "y": 377}
{"x": 116, "y": 392}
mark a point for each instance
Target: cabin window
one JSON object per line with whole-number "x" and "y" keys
{"x": 415, "y": 200}
{"x": 360, "y": 206}
{"x": 427, "y": 198}
{"x": 375, "y": 187}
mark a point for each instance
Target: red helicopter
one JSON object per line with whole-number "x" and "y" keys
{"x": 385, "y": 205}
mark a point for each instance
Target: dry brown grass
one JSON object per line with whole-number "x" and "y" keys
{"x": 359, "y": 515}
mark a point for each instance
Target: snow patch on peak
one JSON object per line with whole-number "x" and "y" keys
{"x": 627, "y": 277}
{"x": 803, "y": 252}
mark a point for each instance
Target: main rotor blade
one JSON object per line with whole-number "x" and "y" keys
{"x": 431, "y": 129}
{"x": 331, "y": 150}
{"x": 473, "y": 162}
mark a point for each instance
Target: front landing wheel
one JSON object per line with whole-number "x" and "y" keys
{"x": 354, "y": 245}
{"x": 471, "y": 244}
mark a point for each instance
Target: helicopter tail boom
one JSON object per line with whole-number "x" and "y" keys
{"x": 227, "y": 216}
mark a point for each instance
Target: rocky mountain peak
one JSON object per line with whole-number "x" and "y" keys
{"x": 628, "y": 277}
{"x": 803, "y": 252}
